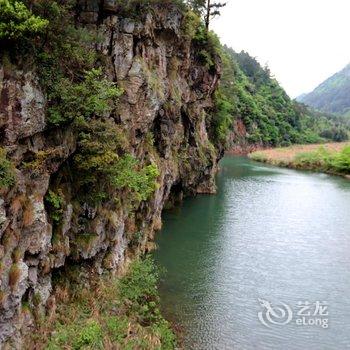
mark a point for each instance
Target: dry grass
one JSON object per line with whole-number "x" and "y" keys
{"x": 104, "y": 312}
{"x": 28, "y": 215}
{"x": 17, "y": 255}
{"x": 280, "y": 156}
{"x": 332, "y": 158}
{"x": 14, "y": 276}
{"x": 2, "y": 298}
{"x": 9, "y": 240}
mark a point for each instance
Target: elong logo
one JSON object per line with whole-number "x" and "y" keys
{"x": 307, "y": 314}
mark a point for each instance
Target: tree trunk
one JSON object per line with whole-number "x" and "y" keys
{"x": 207, "y": 17}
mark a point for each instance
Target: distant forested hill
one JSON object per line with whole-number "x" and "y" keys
{"x": 333, "y": 95}
{"x": 262, "y": 113}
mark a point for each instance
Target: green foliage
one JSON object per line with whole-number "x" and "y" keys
{"x": 118, "y": 314}
{"x": 249, "y": 95}
{"x": 89, "y": 335}
{"x": 332, "y": 96}
{"x": 139, "y": 290}
{"x": 192, "y": 26}
{"x": 84, "y": 336}
{"x": 340, "y": 162}
{"x": 222, "y": 118}
{"x": 338, "y": 134}
{"x": 141, "y": 283}
{"x": 94, "y": 96}
{"x": 101, "y": 163}
{"x": 135, "y": 8}
{"x": 127, "y": 174}
{"x": 258, "y": 157}
{"x": 17, "y": 21}
{"x": 66, "y": 59}
{"x": 55, "y": 203}
{"x": 207, "y": 9}
{"x": 325, "y": 160}
{"x": 198, "y": 6}
{"x": 80, "y": 95}
{"x": 207, "y": 43}
{"x": 99, "y": 142}
{"x": 7, "y": 177}
{"x": 164, "y": 332}
{"x": 136, "y": 239}
{"x": 117, "y": 328}
{"x": 209, "y": 47}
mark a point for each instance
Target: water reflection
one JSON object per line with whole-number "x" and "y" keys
{"x": 269, "y": 233}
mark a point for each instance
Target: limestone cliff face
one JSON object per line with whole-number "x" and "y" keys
{"x": 167, "y": 94}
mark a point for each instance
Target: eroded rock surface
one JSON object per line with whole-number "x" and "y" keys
{"x": 168, "y": 94}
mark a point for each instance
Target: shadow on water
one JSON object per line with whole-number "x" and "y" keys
{"x": 275, "y": 234}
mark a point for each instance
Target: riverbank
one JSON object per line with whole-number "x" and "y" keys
{"x": 108, "y": 312}
{"x": 331, "y": 158}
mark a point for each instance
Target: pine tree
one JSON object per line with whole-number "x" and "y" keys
{"x": 212, "y": 10}
{"x": 207, "y": 9}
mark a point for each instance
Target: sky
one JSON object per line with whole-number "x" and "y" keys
{"x": 303, "y": 41}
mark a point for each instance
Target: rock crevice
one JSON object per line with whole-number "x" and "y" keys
{"x": 167, "y": 98}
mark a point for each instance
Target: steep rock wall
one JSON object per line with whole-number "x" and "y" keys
{"x": 167, "y": 96}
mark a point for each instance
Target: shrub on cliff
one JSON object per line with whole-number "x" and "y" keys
{"x": 135, "y": 7}
{"x": 94, "y": 96}
{"x": 7, "y": 177}
{"x": 140, "y": 181}
{"x": 17, "y": 21}
{"x": 139, "y": 292}
{"x": 108, "y": 314}
{"x": 66, "y": 64}
{"x": 102, "y": 164}
{"x": 55, "y": 202}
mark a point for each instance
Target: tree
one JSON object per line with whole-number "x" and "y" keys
{"x": 206, "y": 8}
{"x": 212, "y": 10}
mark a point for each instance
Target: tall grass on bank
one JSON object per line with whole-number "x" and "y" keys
{"x": 107, "y": 313}
{"x": 322, "y": 159}
{"x": 325, "y": 160}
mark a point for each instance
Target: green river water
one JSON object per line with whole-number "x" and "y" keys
{"x": 264, "y": 264}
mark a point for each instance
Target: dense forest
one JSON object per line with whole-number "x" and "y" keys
{"x": 249, "y": 94}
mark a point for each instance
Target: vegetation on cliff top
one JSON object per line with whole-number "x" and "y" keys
{"x": 112, "y": 313}
{"x": 79, "y": 94}
{"x": 248, "y": 93}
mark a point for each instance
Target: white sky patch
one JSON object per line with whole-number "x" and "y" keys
{"x": 303, "y": 41}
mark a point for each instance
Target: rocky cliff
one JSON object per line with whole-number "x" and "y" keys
{"x": 46, "y": 218}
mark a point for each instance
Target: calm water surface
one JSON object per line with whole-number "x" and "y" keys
{"x": 273, "y": 234}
